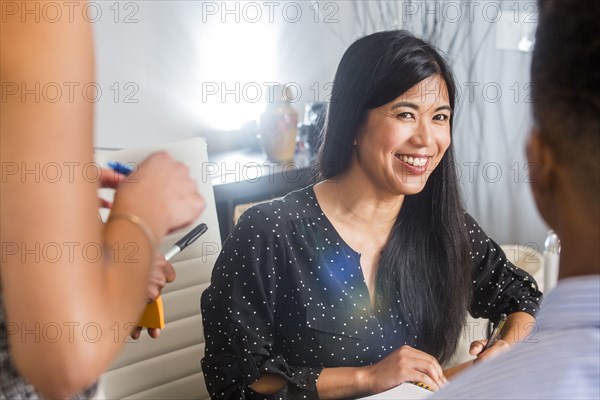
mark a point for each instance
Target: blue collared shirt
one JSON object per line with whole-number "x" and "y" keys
{"x": 559, "y": 360}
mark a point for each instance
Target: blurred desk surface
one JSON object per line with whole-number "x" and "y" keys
{"x": 246, "y": 176}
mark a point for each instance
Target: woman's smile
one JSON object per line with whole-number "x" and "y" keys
{"x": 413, "y": 164}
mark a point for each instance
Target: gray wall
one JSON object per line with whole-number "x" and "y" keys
{"x": 172, "y": 62}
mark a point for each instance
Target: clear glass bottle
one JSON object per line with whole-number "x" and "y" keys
{"x": 551, "y": 260}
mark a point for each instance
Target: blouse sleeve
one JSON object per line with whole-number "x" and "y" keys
{"x": 238, "y": 314}
{"x": 499, "y": 286}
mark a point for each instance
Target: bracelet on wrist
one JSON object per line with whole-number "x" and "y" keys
{"x": 140, "y": 223}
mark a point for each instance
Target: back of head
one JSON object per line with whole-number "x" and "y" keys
{"x": 566, "y": 80}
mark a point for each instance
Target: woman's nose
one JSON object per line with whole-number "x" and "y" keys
{"x": 423, "y": 134}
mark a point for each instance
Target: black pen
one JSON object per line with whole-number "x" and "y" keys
{"x": 185, "y": 241}
{"x": 153, "y": 315}
{"x": 494, "y": 336}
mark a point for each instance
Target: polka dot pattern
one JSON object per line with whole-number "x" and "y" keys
{"x": 288, "y": 297}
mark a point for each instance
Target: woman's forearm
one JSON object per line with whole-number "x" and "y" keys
{"x": 69, "y": 293}
{"x": 451, "y": 372}
{"x": 79, "y": 338}
{"x": 342, "y": 382}
{"x": 333, "y": 383}
{"x": 518, "y": 327}
{"x": 268, "y": 384}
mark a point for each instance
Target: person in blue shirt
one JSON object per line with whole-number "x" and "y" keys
{"x": 562, "y": 359}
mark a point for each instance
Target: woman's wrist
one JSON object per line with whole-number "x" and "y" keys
{"x": 344, "y": 382}
{"x": 362, "y": 379}
{"x": 139, "y": 222}
{"x": 156, "y": 222}
{"x": 451, "y": 372}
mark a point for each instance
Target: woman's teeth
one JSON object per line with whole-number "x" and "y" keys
{"x": 416, "y": 161}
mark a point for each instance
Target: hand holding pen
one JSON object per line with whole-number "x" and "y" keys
{"x": 164, "y": 273}
{"x": 481, "y": 348}
{"x": 495, "y": 333}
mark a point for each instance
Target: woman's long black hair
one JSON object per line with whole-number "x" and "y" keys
{"x": 424, "y": 272}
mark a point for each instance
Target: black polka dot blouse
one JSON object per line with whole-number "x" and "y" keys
{"x": 287, "y": 297}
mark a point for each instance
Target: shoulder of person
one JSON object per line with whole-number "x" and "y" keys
{"x": 278, "y": 210}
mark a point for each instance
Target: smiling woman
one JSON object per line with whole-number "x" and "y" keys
{"x": 401, "y": 143}
{"x": 362, "y": 281}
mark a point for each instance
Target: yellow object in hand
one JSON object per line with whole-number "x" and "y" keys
{"x": 153, "y": 316}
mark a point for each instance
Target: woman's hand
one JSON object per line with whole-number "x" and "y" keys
{"x": 518, "y": 326}
{"x": 405, "y": 364}
{"x": 109, "y": 179}
{"x": 161, "y": 274}
{"x": 476, "y": 349}
{"x": 162, "y": 193}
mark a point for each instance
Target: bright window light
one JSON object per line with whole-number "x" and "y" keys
{"x": 236, "y": 62}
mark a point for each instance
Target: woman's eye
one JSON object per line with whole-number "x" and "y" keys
{"x": 441, "y": 117}
{"x": 405, "y": 115}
